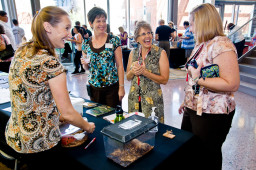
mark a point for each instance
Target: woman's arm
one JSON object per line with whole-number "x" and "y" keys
{"x": 58, "y": 86}
{"x": 164, "y": 70}
{"x": 2, "y": 44}
{"x": 174, "y": 35}
{"x": 84, "y": 63}
{"x": 120, "y": 71}
{"x": 125, "y": 36}
{"x": 229, "y": 79}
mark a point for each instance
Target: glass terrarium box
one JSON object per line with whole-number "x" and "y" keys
{"x": 129, "y": 140}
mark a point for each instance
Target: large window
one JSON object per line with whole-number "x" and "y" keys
{"x": 118, "y": 15}
{"x": 75, "y": 8}
{"x": 239, "y": 15}
{"x": 149, "y": 10}
{"x": 24, "y": 14}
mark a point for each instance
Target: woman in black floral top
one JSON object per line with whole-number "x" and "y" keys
{"x": 106, "y": 77}
{"x": 148, "y": 67}
{"x": 38, "y": 88}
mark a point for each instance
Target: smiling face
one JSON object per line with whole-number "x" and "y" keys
{"x": 99, "y": 25}
{"x": 145, "y": 38}
{"x": 60, "y": 32}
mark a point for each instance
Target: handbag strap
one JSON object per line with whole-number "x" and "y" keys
{"x": 196, "y": 54}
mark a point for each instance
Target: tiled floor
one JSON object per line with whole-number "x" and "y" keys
{"x": 239, "y": 149}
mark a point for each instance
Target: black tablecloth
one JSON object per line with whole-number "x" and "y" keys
{"x": 177, "y": 57}
{"x": 178, "y": 152}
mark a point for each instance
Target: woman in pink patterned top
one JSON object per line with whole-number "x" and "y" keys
{"x": 209, "y": 113}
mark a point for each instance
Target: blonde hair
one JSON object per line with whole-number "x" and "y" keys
{"x": 207, "y": 22}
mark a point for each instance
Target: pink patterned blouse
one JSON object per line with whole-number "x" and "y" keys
{"x": 208, "y": 101}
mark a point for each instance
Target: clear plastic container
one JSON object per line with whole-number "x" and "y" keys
{"x": 129, "y": 140}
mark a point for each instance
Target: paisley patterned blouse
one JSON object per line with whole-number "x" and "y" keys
{"x": 103, "y": 70}
{"x": 208, "y": 101}
{"x": 151, "y": 93}
{"x": 33, "y": 125}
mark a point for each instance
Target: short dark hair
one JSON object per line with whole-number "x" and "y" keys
{"x": 186, "y": 23}
{"x": 15, "y": 22}
{"x": 94, "y": 12}
{"x": 2, "y": 29}
{"x": 3, "y": 13}
{"x": 77, "y": 23}
{"x": 78, "y": 28}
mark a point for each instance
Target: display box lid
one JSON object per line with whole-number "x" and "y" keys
{"x": 129, "y": 128}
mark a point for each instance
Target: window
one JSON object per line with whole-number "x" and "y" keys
{"x": 118, "y": 15}
{"x": 24, "y": 14}
{"x": 150, "y": 11}
{"x": 75, "y": 8}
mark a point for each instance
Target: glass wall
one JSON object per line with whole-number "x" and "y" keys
{"x": 149, "y": 10}
{"x": 239, "y": 15}
{"x": 118, "y": 15}
{"x": 75, "y": 8}
{"x": 24, "y": 16}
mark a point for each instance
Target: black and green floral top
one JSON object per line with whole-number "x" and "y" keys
{"x": 103, "y": 70}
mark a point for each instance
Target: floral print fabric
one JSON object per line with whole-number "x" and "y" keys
{"x": 151, "y": 93}
{"x": 103, "y": 70}
{"x": 34, "y": 122}
{"x": 208, "y": 101}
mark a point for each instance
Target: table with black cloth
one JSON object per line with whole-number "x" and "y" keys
{"x": 177, "y": 57}
{"x": 126, "y": 53}
{"x": 177, "y": 153}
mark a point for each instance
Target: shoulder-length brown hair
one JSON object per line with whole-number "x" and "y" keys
{"x": 40, "y": 39}
{"x": 207, "y": 22}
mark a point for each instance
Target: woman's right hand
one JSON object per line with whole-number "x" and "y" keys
{"x": 90, "y": 128}
{"x": 182, "y": 108}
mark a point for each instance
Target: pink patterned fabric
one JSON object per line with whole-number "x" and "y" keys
{"x": 209, "y": 101}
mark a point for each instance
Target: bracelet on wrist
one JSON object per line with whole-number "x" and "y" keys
{"x": 121, "y": 85}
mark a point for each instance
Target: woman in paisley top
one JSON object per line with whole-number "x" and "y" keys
{"x": 209, "y": 114}
{"x": 148, "y": 67}
{"x": 106, "y": 76}
{"x": 38, "y": 87}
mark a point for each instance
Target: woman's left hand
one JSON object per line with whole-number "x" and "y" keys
{"x": 121, "y": 93}
{"x": 195, "y": 72}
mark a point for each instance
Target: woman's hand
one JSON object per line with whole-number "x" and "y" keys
{"x": 182, "y": 108}
{"x": 195, "y": 72}
{"x": 137, "y": 68}
{"x": 121, "y": 93}
{"x": 90, "y": 128}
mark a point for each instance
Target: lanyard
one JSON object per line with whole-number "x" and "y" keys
{"x": 195, "y": 56}
{"x": 140, "y": 55}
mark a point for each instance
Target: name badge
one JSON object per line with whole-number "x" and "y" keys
{"x": 108, "y": 45}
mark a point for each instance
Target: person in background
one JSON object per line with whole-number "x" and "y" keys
{"x": 81, "y": 29}
{"x": 187, "y": 41}
{"x": 237, "y": 38}
{"x": 163, "y": 32}
{"x": 147, "y": 69}
{"x": 18, "y": 32}
{"x": 78, "y": 39}
{"x": 7, "y": 28}
{"x": 4, "y": 64}
{"x": 123, "y": 36}
{"x": 39, "y": 94}
{"x": 88, "y": 33}
{"x": 208, "y": 111}
{"x": 106, "y": 78}
{"x": 174, "y": 32}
